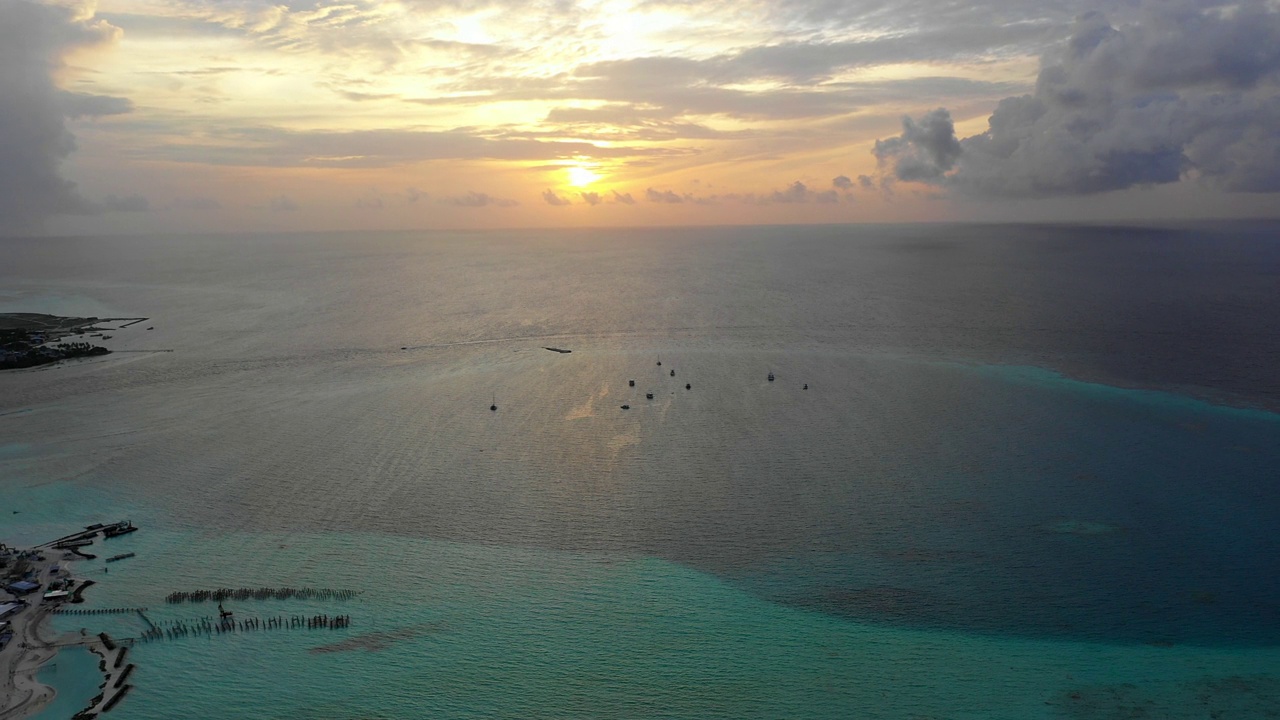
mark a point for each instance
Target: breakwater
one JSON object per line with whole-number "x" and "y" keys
{"x": 208, "y": 626}
{"x": 221, "y": 594}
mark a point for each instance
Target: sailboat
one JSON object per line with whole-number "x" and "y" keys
{"x": 494, "y": 406}
{"x": 770, "y": 376}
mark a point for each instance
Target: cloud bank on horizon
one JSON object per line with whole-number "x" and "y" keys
{"x": 1185, "y": 94}
{"x": 163, "y": 115}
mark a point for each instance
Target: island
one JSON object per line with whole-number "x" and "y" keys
{"x": 27, "y": 339}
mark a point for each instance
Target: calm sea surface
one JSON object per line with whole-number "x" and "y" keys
{"x": 1034, "y": 474}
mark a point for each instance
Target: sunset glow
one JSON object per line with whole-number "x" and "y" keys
{"x": 580, "y": 176}
{"x": 399, "y": 115}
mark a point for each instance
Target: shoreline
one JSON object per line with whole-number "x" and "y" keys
{"x": 30, "y": 649}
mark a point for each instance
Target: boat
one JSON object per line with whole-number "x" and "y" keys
{"x": 124, "y": 527}
{"x": 649, "y": 395}
{"x": 632, "y": 383}
{"x": 806, "y": 386}
{"x": 659, "y": 361}
{"x": 626, "y": 407}
{"x": 494, "y": 405}
{"x": 673, "y": 373}
{"x": 687, "y": 386}
{"x": 770, "y": 376}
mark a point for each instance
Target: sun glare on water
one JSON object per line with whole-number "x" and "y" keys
{"x": 581, "y": 177}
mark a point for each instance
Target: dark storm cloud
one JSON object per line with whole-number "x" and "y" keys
{"x": 34, "y": 139}
{"x": 1190, "y": 91}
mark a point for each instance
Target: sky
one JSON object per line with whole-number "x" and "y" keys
{"x": 166, "y": 116}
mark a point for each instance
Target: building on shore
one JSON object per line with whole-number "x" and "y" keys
{"x": 23, "y": 587}
{"x": 8, "y": 609}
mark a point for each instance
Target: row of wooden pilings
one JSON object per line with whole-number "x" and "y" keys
{"x": 211, "y": 626}
{"x": 260, "y": 594}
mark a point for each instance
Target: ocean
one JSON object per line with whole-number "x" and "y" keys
{"x": 1033, "y": 474}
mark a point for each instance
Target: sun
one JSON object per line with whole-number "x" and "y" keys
{"x": 580, "y": 176}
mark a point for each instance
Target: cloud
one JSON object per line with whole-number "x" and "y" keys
{"x": 842, "y": 182}
{"x": 475, "y": 199}
{"x": 282, "y": 203}
{"x": 591, "y": 198}
{"x": 264, "y": 146}
{"x": 926, "y": 149}
{"x": 783, "y": 81}
{"x": 553, "y": 199}
{"x": 1190, "y": 91}
{"x": 75, "y": 105}
{"x": 132, "y": 203}
{"x": 623, "y": 198}
{"x": 797, "y": 192}
{"x": 866, "y": 182}
{"x": 663, "y": 196}
{"x": 34, "y": 140}
{"x": 194, "y": 203}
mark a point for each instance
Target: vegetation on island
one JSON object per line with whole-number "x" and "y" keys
{"x": 26, "y": 340}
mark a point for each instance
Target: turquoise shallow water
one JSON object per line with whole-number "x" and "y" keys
{"x": 455, "y": 631}
{"x": 74, "y": 676}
